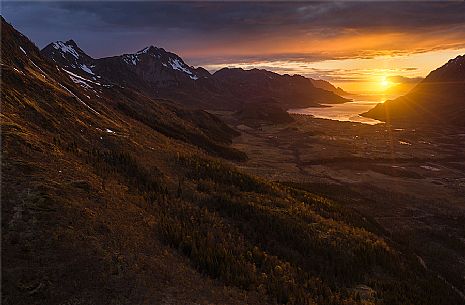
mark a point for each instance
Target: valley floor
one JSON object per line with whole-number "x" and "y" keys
{"x": 409, "y": 180}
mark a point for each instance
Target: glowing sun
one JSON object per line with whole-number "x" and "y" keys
{"x": 385, "y": 83}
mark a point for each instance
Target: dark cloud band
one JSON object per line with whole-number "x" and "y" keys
{"x": 107, "y": 28}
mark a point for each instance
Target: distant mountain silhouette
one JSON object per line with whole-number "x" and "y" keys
{"x": 163, "y": 74}
{"x": 322, "y": 84}
{"x": 256, "y": 85}
{"x": 439, "y": 98}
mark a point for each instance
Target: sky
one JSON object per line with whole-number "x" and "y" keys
{"x": 364, "y": 47}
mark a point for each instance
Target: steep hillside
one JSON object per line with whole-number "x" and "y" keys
{"x": 438, "y": 99}
{"x": 111, "y": 197}
{"x": 193, "y": 126}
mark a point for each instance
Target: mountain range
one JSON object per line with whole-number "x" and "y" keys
{"x": 162, "y": 74}
{"x": 114, "y": 194}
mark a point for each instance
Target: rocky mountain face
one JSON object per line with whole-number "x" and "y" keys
{"x": 153, "y": 66}
{"x": 69, "y": 56}
{"x": 150, "y": 69}
{"x": 438, "y": 99}
{"x": 162, "y": 74}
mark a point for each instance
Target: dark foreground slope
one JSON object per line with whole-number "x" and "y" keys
{"x": 438, "y": 99}
{"x": 103, "y": 204}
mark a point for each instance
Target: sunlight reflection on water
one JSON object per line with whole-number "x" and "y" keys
{"x": 341, "y": 112}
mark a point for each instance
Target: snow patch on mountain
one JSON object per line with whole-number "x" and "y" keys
{"x": 87, "y": 69}
{"x": 131, "y": 59}
{"x": 171, "y": 61}
{"x": 143, "y": 51}
{"x": 80, "y": 82}
{"x": 41, "y": 71}
{"x": 21, "y": 72}
{"x": 181, "y": 66}
{"x": 82, "y": 79}
{"x": 64, "y": 48}
{"x": 79, "y": 100}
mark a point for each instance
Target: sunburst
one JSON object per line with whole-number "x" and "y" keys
{"x": 385, "y": 83}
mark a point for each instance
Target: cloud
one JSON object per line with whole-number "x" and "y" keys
{"x": 349, "y": 43}
{"x": 248, "y": 29}
{"x": 262, "y": 15}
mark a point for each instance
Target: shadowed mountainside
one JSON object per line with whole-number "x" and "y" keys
{"x": 438, "y": 99}
{"x": 290, "y": 91}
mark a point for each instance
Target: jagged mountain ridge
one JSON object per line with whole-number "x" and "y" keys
{"x": 163, "y": 74}
{"x": 152, "y": 66}
{"x": 438, "y": 99}
{"x": 69, "y": 56}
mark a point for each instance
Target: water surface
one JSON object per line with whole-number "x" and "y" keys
{"x": 341, "y": 112}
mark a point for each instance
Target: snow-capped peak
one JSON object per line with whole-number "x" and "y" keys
{"x": 150, "y": 49}
{"x": 166, "y": 59}
{"x": 143, "y": 51}
{"x": 69, "y": 55}
{"x": 68, "y": 47}
{"x": 134, "y": 59}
